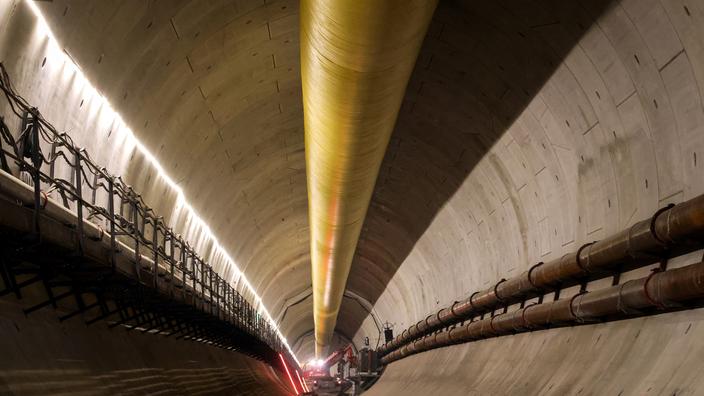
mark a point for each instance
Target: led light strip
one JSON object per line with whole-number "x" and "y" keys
{"x": 181, "y": 201}
{"x": 290, "y": 378}
{"x": 303, "y": 383}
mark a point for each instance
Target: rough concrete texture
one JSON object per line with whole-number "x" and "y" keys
{"x": 559, "y": 125}
{"x": 528, "y": 128}
{"x": 650, "y": 356}
{"x": 576, "y": 121}
{"x": 213, "y": 90}
{"x": 41, "y": 356}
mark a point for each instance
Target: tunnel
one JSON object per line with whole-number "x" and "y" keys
{"x": 378, "y": 197}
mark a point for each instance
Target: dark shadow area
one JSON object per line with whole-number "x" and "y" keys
{"x": 43, "y": 355}
{"x": 481, "y": 64}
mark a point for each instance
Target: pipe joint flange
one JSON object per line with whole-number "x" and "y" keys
{"x": 471, "y": 302}
{"x": 491, "y": 325}
{"x": 648, "y": 296}
{"x": 437, "y": 316}
{"x": 629, "y": 250}
{"x": 530, "y": 276}
{"x": 623, "y": 307}
{"x": 496, "y": 291}
{"x": 666, "y": 241}
{"x": 577, "y": 314}
{"x": 584, "y": 266}
{"x": 452, "y": 310}
{"x": 523, "y": 315}
{"x": 523, "y": 325}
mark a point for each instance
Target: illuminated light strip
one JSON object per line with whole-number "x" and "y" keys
{"x": 299, "y": 380}
{"x": 295, "y": 389}
{"x": 303, "y": 383}
{"x": 181, "y": 201}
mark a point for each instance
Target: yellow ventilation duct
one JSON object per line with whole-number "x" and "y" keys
{"x": 356, "y": 58}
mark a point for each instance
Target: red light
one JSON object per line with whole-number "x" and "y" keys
{"x": 303, "y": 383}
{"x": 289, "y": 374}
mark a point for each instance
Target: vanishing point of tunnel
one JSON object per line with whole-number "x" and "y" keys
{"x": 347, "y": 197}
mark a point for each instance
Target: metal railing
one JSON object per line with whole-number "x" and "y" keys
{"x": 93, "y": 195}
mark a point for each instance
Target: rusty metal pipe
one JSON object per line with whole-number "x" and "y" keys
{"x": 672, "y": 230}
{"x": 661, "y": 290}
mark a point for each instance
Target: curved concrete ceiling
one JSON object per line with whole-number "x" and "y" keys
{"x": 527, "y": 129}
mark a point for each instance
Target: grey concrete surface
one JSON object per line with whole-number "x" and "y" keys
{"x": 528, "y": 128}
{"x": 658, "y": 355}
{"x": 41, "y": 356}
{"x": 615, "y": 131}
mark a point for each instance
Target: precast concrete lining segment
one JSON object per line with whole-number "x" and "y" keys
{"x": 672, "y": 230}
{"x": 356, "y": 58}
{"x": 48, "y": 357}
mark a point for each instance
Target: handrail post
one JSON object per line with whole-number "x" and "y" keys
{"x": 155, "y": 249}
{"x": 111, "y": 211}
{"x": 79, "y": 200}
{"x": 36, "y": 158}
{"x": 135, "y": 233}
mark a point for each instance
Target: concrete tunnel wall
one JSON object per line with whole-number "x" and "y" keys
{"x": 615, "y": 131}
{"x": 213, "y": 91}
{"x": 528, "y": 129}
{"x": 42, "y": 356}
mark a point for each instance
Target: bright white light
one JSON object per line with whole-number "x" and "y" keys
{"x": 181, "y": 202}
{"x": 315, "y": 362}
